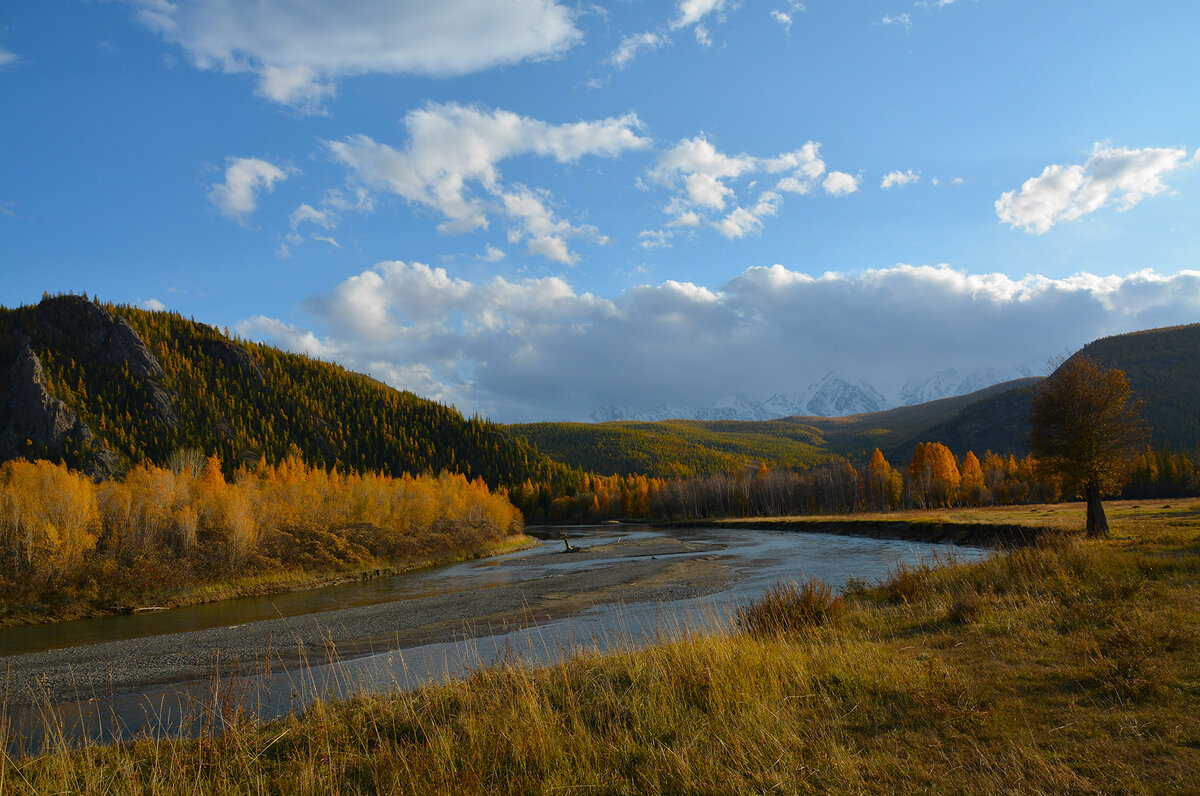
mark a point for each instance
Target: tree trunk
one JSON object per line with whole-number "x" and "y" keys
{"x": 1097, "y": 523}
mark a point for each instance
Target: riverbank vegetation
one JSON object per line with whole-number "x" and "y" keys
{"x": 171, "y": 535}
{"x": 1072, "y": 666}
{"x": 933, "y": 478}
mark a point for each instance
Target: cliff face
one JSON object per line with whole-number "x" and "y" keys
{"x": 32, "y": 421}
{"x": 35, "y": 423}
{"x": 111, "y": 340}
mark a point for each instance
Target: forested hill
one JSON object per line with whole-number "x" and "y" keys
{"x": 675, "y": 448}
{"x": 684, "y": 448}
{"x": 1163, "y": 366}
{"x": 103, "y": 387}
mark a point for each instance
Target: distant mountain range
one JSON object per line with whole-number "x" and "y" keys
{"x": 1163, "y": 366}
{"x": 831, "y": 396}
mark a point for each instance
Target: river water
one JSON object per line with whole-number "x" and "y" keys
{"x": 756, "y": 559}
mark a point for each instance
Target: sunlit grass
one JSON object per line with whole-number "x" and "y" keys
{"x": 1067, "y": 666}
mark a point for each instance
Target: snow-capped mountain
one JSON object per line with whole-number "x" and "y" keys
{"x": 831, "y": 396}
{"x": 950, "y": 382}
{"x": 835, "y": 397}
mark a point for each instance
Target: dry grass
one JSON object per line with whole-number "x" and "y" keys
{"x": 790, "y": 608}
{"x": 1068, "y": 667}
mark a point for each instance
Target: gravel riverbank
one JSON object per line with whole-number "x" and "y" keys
{"x": 651, "y": 569}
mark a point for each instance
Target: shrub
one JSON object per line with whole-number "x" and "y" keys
{"x": 788, "y": 607}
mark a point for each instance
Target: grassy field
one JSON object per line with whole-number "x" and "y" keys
{"x": 1072, "y": 666}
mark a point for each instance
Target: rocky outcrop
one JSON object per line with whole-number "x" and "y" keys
{"x": 34, "y": 421}
{"x": 75, "y": 320}
{"x": 234, "y": 357}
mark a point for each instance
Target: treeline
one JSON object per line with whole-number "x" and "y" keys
{"x": 933, "y": 478}
{"x": 68, "y": 542}
{"x": 243, "y": 400}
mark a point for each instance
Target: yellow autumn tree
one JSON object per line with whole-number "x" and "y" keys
{"x": 885, "y": 486}
{"x": 48, "y": 518}
{"x": 972, "y": 489}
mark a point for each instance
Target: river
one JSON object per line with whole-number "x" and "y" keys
{"x": 179, "y": 670}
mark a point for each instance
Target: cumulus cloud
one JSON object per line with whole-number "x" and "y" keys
{"x": 897, "y": 177}
{"x": 491, "y": 254}
{"x": 154, "y": 305}
{"x": 287, "y": 336}
{"x": 839, "y": 183}
{"x": 451, "y": 161}
{"x": 300, "y": 49}
{"x": 538, "y": 349}
{"x": 7, "y": 57}
{"x": 1067, "y": 193}
{"x": 700, "y": 175}
{"x": 245, "y": 179}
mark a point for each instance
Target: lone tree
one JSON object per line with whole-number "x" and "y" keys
{"x": 1085, "y": 427}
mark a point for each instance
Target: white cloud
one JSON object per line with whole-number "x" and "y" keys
{"x": 307, "y": 214}
{"x": 632, "y": 45}
{"x": 537, "y": 349}
{"x": 154, "y": 305}
{"x": 783, "y": 19}
{"x": 897, "y": 177}
{"x": 692, "y": 12}
{"x": 1067, "y": 193}
{"x": 688, "y": 14}
{"x": 245, "y": 178}
{"x": 7, "y": 57}
{"x": 839, "y": 183}
{"x": 300, "y": 49}
{"x": 491, "y": 254}
{"x": 654, "y": 239}
{"x": 700, "y": 175}
{"x": 286, "y": 336}
{"x": 749, "y": 221}
{"x": 900, "y": 19}
{"x": 451, "y": 165}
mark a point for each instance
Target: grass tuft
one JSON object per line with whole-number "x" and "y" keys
{"x": 790, "y": 607}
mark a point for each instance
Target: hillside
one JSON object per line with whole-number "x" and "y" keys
{"x": 680, "y": 448}
{"x": 674, "y": 448}
{"x": 1163, "y": 366}
{"x": 103, "y": 387}
{"x": 896, "y": 431}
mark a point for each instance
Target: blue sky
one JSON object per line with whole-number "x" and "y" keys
{"x": 531, "y": 209}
